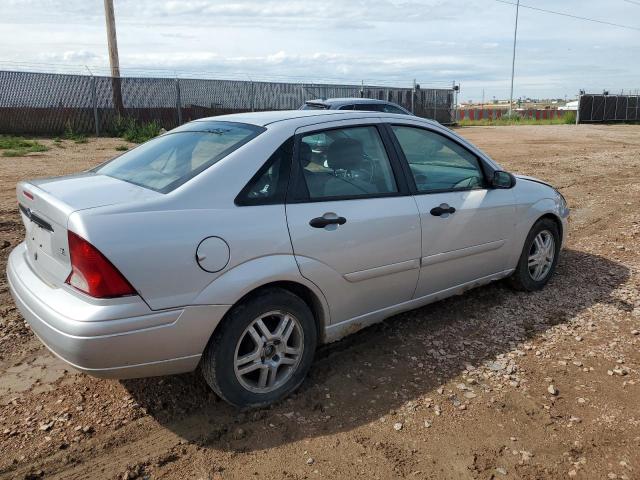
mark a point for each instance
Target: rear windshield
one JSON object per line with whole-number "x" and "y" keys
{"x": 314, "y": 106}
{"x": 166, "y": 162}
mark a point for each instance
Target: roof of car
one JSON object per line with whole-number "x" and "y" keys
{"x": 265, "y": 118}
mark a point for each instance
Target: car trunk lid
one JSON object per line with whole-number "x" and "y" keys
{"x": 45, "y": 206}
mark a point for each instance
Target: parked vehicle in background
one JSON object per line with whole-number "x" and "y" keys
{"x": 360, "y": 104}
{"x": 241, "y": 242}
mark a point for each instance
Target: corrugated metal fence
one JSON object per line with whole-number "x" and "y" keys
{"x": 49, "y": 103}
{"x": 609, "y": 108}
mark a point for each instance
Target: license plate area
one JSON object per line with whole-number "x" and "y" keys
{"x": 46, "y": 253}
{"x": 38, "y": 242}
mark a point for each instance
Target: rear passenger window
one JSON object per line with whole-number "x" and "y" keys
{"x": 269, "y": 185}
{"x": 347, "y": 162}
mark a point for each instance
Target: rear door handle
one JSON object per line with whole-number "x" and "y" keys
{"x": 321, "y": 222}
{"x": 442, "y": 209}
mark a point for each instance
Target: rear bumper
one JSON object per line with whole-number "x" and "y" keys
{"x": 118, "y": 338}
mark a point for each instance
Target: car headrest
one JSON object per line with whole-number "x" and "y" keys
{"x": 305, "y": 154}
{"x": 345, "y": 154}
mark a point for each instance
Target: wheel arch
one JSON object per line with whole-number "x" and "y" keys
{"x": 556, "y": 219}
{"x": 524, "y": 281}
{"x": 273, "y": 271}
{"x": 544, "y": 209}
{"x": 308, "y": 296}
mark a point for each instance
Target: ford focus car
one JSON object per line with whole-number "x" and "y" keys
{"x": 238, "y": 243}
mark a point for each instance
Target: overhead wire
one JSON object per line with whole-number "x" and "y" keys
{"x": 570, "y": 15}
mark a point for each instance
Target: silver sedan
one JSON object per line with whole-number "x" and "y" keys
{"x": 239, "y": 243}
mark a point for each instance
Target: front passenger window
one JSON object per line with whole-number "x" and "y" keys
{"x": 438, "y": 163}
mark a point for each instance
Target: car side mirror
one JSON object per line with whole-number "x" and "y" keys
{"x": 502, "y": 179}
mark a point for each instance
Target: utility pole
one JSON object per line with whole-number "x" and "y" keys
{"x": 513, "y": 61}
{"x": 456, "y": 89}
{"x": 413, "y": 96}
{"x": 112, "y": 38}
{"x": 113, "y": 55}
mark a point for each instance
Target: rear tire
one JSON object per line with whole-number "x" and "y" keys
{"x": 262, "y": 351}
{"x": 539, "y": 257}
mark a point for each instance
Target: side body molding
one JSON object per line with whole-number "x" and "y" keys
{"x": 462, "y": 252}
{"x": 382, "y": 271}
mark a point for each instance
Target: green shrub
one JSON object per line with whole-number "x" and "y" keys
{"x": 7, "y": 141}
{"x": 19, "y": 147}
{"x": 132, "y": 131}
{"x": 516, "y": 119}
{"x": 121, "y": 125}
{"x": 71, "y": 134}
{"x": 122, "y": 148}
{"x": 14, "y": 153}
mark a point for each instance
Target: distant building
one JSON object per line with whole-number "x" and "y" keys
{"x": 572, "y": 106}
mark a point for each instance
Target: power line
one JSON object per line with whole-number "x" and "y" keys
{"x": 576, "y": 17}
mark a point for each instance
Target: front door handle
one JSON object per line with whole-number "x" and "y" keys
{"x": 442, "y": 209}
{"x": 321, "y": 222}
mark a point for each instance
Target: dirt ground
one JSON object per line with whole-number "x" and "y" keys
{"x": 492, "y": 384}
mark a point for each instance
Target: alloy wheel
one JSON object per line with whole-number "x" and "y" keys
{"x": 269, "y": 351}
{"x": 541, "y": 255}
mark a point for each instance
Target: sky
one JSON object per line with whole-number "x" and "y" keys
{"x": 380, "y": 42}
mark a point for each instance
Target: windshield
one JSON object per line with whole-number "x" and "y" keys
{"x": 166, "y": 162}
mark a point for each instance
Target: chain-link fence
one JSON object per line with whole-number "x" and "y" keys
{"x": 609, "y": 108}
{"x": 48, "y": 103}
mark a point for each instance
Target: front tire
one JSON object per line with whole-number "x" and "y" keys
{"x": 262, "y": 351}
{"x": 539, "y": 257}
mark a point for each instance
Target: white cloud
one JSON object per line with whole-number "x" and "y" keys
{"x": 80, "y": 56}
{"x": 379, "y": 41}
{"x": 318, "y": 11}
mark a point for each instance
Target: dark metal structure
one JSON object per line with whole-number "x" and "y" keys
{"x": 608, "y": 108}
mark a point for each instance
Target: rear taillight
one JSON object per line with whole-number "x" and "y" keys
{"x": 92, "y": 273}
